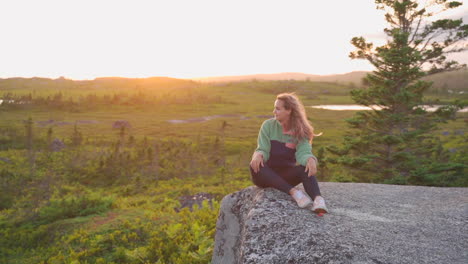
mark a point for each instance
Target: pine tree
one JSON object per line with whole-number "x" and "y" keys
{"x": 395, "y": 142}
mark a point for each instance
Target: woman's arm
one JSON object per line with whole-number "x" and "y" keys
{"x": 263, "y": 141}
{"x": 305, "y": 157}
{"x": 304, "y": 152}
{"x": 262, "y": 152}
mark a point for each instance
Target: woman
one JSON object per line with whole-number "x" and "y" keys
{"x": 284, "y": 141}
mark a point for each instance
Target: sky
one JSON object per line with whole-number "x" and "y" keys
{"x": 85, "y": 39}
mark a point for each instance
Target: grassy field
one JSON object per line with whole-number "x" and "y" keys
{"x": 249, "y": 104}
{"x": 118, "y": 196}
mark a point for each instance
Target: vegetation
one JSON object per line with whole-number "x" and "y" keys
{"x": 98, "y": 174}
{"x": 398, "y": 144}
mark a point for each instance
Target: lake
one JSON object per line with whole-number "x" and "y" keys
{"x": 430, "y": 108}
{"x": 9, "y": 101}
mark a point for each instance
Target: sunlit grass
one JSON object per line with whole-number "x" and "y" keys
{"x": 143, "y": 215}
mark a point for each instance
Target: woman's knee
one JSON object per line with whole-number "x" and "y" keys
{"x": 253, "y": 176}
{"x": 261, "y": 169}
{"x": 256, "y": 177}
{"x": 300, "y": 171}
{"x": 252, "y": 172}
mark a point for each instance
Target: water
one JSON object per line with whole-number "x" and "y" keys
{"x": 429, "y": 108}
{"x": 9, "y": 101}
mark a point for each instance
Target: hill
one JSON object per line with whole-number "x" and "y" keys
{"x": 454, "y": 81}
{"x": 98, "y": 83}
{"x": 354, "y": 77}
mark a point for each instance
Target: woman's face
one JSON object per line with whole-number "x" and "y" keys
{"x": 281, "y": 114}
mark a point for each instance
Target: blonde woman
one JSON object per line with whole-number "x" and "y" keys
{"x": 284, "y": 158}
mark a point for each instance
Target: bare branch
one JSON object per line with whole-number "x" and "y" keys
{"x": 417, "y": 29}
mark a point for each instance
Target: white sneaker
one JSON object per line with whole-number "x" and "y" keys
{"x": 302, "y": 199}
{"x": 319, "y": 205}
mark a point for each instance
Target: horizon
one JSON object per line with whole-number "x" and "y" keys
{"x": 85, "y": 40}
{"x": 194, "y": 78}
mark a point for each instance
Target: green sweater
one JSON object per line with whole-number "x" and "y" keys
{"x": 279, "y": 148}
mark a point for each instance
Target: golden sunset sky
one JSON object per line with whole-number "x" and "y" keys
{"x": 84, "y": 39}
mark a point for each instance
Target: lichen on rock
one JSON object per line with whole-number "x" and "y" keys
{"x": 367, "y": 223}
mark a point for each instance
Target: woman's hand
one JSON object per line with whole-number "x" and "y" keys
{"x": 311, "y": 167}
{"x": 257, "y": 160}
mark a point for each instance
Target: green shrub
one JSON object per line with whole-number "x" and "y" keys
{"x": 69, "y": 207}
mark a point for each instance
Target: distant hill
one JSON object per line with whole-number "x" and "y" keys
{"x": 454, "y": 80}
{"x": 354, "y": 77}
{"x": 98, "y": 83}
{"x": 150, "y": 82}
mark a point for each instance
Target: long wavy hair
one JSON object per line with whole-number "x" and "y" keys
{"x": 300, "y": 126}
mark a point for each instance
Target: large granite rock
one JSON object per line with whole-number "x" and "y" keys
{"x": 367, "y": 223}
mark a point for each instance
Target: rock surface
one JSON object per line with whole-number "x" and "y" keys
{"x": 57, "y": 145}
{"x": 367, "y": 223}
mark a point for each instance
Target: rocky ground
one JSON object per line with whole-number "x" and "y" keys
{"x": 367, "y": 223}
